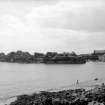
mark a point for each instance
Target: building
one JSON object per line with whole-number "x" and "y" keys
{"x": 38, "y": 57}
{"x": 99, "y": 52}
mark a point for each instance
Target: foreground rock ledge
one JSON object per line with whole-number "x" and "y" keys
{"x": 94, "y": 96}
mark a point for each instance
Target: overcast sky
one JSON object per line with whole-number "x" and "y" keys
{"x": 52, "y": 25}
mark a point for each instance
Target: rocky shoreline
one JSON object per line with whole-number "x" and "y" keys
{"x": 95, "y": 96}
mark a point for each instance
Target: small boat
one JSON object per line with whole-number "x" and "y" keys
{"x": 96, "y": 79}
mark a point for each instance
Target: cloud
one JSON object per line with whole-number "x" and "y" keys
{"x": 75, "y": 15}
{"x": 63, "y": 26}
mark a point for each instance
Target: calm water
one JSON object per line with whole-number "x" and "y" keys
{"x": 25, "y": 78}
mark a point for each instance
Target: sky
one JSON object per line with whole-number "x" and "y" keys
{"x": 52, "y": 25}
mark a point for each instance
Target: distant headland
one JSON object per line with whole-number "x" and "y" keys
{"x": 52, "y": 57}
